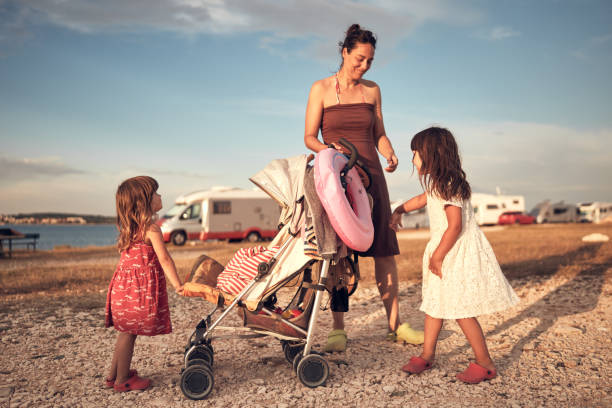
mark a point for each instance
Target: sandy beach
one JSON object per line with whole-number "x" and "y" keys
{"x": 553, "y": 349}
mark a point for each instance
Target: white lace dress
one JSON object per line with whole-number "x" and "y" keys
{"x": 472, "y": 282}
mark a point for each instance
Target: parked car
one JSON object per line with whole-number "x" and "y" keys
{"x": 515, "y": 217}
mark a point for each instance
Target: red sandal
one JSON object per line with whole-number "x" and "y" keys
{"x": 476, "y": 373}
{"x": 416, "y": 365}
{"x": 133, "y": 383}
{"x": 111, "y": 383}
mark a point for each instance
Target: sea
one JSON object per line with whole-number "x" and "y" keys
{"x": 73, "y": 235}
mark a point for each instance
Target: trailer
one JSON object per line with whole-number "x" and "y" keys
{"x": 595, "y": 211}
{"x": 546, "y": 211}
{"x": 488, "y": 207}
{"x": 221, "y": 213}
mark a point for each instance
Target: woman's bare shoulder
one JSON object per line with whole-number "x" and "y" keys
{"x": 369, "y": 84}
{"x": 322, "y": 84}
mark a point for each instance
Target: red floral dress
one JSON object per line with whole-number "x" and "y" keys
{"x": 137, "y": 301}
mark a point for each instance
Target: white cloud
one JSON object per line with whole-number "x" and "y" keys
{"x": 539, "y": 161}
{"x": 26, "y": 168}
{"x": 498, "y": 33}
{"x": 314, "y": 20}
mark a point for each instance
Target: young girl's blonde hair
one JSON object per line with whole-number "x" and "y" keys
{"x": 134, "y": 212}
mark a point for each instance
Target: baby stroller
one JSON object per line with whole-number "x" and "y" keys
{"x": 294, "y": 266}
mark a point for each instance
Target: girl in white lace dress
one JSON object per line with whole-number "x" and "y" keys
{"x": 461, "y": 277}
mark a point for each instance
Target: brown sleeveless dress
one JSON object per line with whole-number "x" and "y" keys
{"x": 355, "y": 122}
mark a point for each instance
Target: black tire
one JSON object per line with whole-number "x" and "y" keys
{"x": 178, "y": 238}
{"x": 197, "y": 382}
{"x": 253, "y": 237}
{"x": 291, "y": 350}
{"x": 313, "y": 370}
{"x": 202, "y": 352}
{"x": 296, "y": 360}
{"x": 197, "y": 361}
{"x": 354, "y": 280}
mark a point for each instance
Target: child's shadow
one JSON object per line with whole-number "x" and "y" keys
{"x": 578, "y": 295}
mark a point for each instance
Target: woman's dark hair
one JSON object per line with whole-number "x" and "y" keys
{"x": 355, "y": 35}
{"x": 441, "y": 171}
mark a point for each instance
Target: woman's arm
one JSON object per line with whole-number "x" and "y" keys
{"x": 414, "y": 203}
{"x": 453, "y": 216}
{"x": 383, "y": 144}
{"x": 154, "y": 234}
{"x": 314, "y": 112}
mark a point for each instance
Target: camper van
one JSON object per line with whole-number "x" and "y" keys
{"x": 488, "y": 207}
{"x": 221, "y": 213}
{"x": 594, "y": 211}
{"x": 556, "y": 212}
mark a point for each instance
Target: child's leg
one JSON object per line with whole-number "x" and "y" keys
{"x": 122, "y": 357}
{"x": 432, "y": 330}
{"x": 472, "y": 330}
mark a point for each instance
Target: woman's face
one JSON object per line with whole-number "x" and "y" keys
{"x": 358, "y": 61}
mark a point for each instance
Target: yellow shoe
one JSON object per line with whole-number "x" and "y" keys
{"x": 407, "y": 334}
{"x": 336, "y": 341}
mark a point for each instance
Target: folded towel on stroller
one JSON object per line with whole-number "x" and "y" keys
{"x": 242, "y": 268}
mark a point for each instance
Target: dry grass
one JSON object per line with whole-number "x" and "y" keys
{"x": 54, "y": 276}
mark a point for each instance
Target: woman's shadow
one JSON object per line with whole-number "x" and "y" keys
{"x": 578, "y": 295}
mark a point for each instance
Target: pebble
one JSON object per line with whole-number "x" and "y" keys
{"x": 572, "y": 343}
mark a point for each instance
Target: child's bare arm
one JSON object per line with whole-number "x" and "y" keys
{"x": 414, "y": 203}
{"x": 453, "y": 216}
{"x": 167, "y": 263}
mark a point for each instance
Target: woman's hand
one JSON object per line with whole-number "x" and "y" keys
{"x": 391, "y": 163}
{"x": 435, "y": 264}
{"x": 396, "y": 221}
{"x": 179, "y": 289}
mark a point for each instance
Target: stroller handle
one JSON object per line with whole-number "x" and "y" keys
{"x": 354, "y": 158}
{"x": 354, "y": 154}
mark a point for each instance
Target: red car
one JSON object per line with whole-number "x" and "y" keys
{"x": 515, "y": 217}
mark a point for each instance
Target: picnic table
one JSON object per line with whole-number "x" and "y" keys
{"x": 14, "y": 237}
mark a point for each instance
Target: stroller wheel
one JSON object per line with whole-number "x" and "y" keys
{"x": 291, "y": 350}
{"x": 202, "y": 352}
{"x": 313, "y": 370}
{"x": 197, "y": 382}
{"x": 198, "y": 361}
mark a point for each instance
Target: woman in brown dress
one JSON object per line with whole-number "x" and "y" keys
{"x": 346, "y": 105}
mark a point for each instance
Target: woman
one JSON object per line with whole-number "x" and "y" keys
{"x": 346, "y": 105}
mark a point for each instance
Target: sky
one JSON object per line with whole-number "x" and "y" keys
{"x": 202, "y": 93}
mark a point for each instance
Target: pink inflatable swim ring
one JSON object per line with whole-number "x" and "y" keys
{"x": 352, "y": 220}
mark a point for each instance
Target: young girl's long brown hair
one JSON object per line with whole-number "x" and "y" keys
{"x": 134, "y": 211}
{"x": 441, "y": 171}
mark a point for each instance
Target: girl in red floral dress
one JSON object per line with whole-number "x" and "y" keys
{"x": 137, "y": 301}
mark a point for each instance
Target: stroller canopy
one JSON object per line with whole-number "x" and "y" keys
{"x": 283, "y": 180}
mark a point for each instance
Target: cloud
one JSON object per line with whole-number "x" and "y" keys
{"x": 276, "y": 20}
{"x": 498, "y": 33}
{"x": 25, "y": 169}
{"x": 537, "y": 160}
{"x": 593, "y": 46}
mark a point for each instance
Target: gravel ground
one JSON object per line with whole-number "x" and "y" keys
{"x": 554, "y": 349}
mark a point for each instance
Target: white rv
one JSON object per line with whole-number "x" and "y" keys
{"x": 594, "y": 211}
{"x": 554, "y": 212}
{"x": 221, "y": 213}
{"x": 488, "y": 207}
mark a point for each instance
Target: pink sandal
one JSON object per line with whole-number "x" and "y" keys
{"x": 111, "y": 383}
{"x": 416, "y": 365}
{"x": 476, "y": 373}
{"x": 133, "y": 383}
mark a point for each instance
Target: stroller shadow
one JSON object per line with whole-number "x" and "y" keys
{"x": 563, "y": 301}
